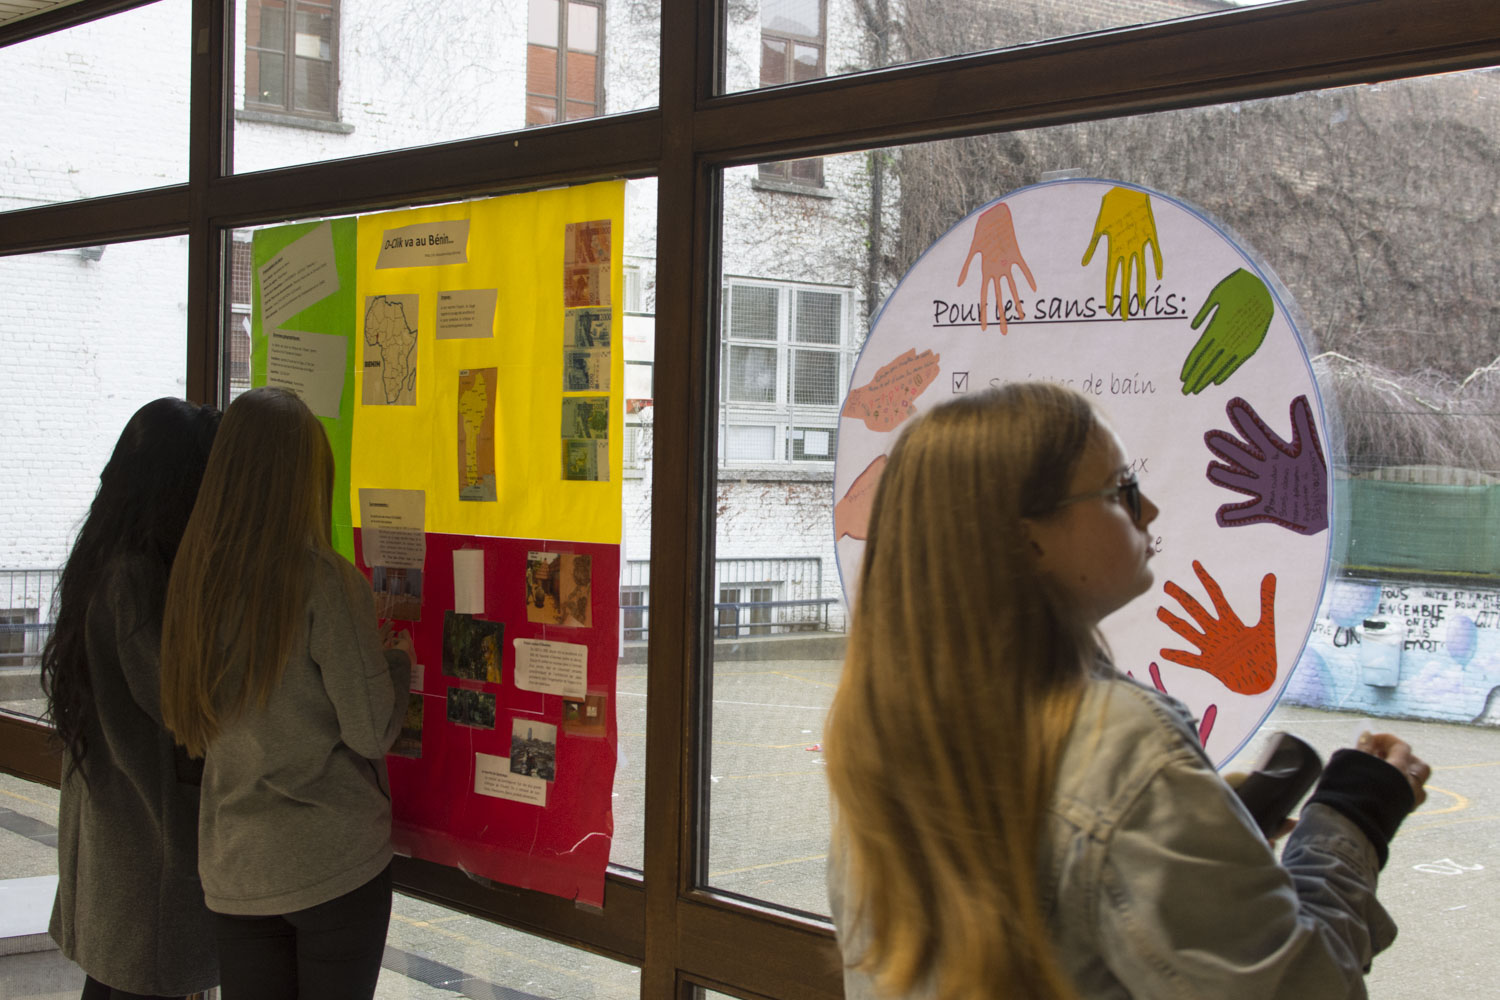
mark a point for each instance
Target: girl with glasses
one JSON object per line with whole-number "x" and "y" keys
{"x": 1013, "y": 816}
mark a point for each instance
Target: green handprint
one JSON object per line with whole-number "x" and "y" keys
{"x": 1242, "y": 309}
{"x": 1125, "y": 218}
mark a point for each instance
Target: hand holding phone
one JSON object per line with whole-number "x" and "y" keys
{"x": 1285, "y": 772}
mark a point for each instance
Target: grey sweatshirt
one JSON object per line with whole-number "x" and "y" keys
{"x": 296, "y": 802}
{"x": 129, "y": 908}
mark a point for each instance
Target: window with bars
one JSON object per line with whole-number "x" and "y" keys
{"x": 564, "y": 52}
{"x": 793, "y": 49}
{"x": 785, "y": 356}
{"x": 291, "y": 57}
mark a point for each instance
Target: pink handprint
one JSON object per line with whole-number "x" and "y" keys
{"x": 1287, "y": 482}
{"x": 1242, "y": 656}
{"x": 1210, "y": 714}
{"x": 999, "y": 253}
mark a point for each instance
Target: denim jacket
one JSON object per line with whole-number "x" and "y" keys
{"x": 1157, "y": 884}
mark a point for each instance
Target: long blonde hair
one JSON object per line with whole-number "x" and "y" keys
{"x": 236, "y": 599}
{"x": 963, "y": 675}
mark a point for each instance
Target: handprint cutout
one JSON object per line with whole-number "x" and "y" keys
{"x": 1210, "y": 714}
{"x": 1287, "y": 482}
{"x": 1125, "y": 220}
{"x": 886, "y": 400}
{"x": 851, "y": 515}
{"x": 1242, "y": 309}
{"x": 1242, "y": 657}
{"x": 999, "y": 254}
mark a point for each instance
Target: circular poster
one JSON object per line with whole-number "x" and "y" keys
{"x": 1185, "y": 342}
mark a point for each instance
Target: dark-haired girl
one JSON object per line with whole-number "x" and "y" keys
{"x": 129, "y": 906}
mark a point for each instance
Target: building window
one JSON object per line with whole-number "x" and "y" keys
{"x": 291, "y": 57}
{"x": 20, "y": 638}
{"x": 785, "y": 358}
{"x": 745, "y": 609}
{"x": 564, "y": 46}
{"x": 793, "y": 48}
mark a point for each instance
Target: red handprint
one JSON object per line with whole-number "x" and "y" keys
{"x": 1241, "y": 656}
{"x": 999, "y": 253}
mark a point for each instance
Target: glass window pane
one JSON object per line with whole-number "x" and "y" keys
{"x": 268, "y": 78}
{"x": 1384, "y": 243}
{"x": 374, "y": 95}
{"x": 806, "y": 62}
{"x": 430, "y": 950}
{"x": 583, "y": 27}
{"x": 773, "y": 64}
{"x": 97, "y": 109}
{"x": 266, "y": 25}
{"x": 819, "y": 317}
{"x": 314, "y": 39}
{"x": 752, "y": 312}
{"x": 869, "y": 36}
{"x": 583, "y": 77}
{"x": 85, "y": 347}
{"x": 314, "y": 85}
{"x": 748, "y": 442}
{"x": 541, "y": 23}
{"x": 792, "y": 17}
{"x": 752, "y": 374}
{"x": 815, "y": 378}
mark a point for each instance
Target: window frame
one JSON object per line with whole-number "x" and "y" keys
{"x": 290, "y": 57}
{"x": 682, "y": 934}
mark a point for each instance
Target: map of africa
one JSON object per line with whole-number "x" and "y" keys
{"x": 390, "y": 357}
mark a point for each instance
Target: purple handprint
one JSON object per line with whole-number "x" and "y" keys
{"x": 1287, "y": 482}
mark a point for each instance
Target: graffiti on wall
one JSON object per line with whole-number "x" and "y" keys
{"x": 1402, "y": 649}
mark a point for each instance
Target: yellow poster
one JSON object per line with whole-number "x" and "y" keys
{"x": 440, "y": 362}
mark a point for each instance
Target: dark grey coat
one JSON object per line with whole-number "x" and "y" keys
{"x": 129, "y": 906}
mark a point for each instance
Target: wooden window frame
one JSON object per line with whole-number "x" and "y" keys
{"x": 681, "y": 934}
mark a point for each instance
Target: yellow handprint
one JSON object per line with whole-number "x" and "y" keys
{"x": 1125, "y": 218}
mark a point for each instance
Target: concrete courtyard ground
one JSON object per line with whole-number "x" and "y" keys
{"x": 768, "y": 828}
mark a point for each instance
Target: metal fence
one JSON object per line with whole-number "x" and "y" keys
{"x": 25, "y": 615}
{"x": 755, "y": 597}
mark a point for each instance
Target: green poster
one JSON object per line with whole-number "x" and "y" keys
{"x": 307, "y": 271}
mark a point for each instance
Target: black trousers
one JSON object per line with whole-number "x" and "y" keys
{"x": 95, "y": 990}
{"x": 331, "y": 951}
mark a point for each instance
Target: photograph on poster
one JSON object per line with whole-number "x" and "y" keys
{"x": 586, "y": 370}
{"x": 533, "y": 749}
{"x": 390, "y": 355}
{"x": 398, "y": 592}
{"x": 471, "y": 647}
{"x": 586, "y": 417}
{"x": 586, "y": 327}
{"x": 476, "y": 434}
{"x": 542, "y": 603}
{"x": 475, "y": 709}
{"x": 586, "y": 243}
{"x": 587, "y": 717}
{"x": 409, "y": 742}
{"x": 586, "y": 461}
{"x": 575, "y": 583}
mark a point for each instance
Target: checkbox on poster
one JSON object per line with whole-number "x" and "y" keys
{"x": 960, "y": 381}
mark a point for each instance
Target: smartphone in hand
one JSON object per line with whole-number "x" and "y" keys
{"x": 1285, "y": 772}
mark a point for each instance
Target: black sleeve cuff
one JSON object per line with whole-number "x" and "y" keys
{"x": 1371, "y": 793}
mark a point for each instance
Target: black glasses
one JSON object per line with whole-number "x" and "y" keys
{"x": 1129, "y": 492}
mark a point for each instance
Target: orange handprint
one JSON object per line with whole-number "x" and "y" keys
{"x": 1242, "y": 656}
{"x": 886, "y": 400}
{"x": 851, "y": 515}
{"x": 999, "y": 253}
